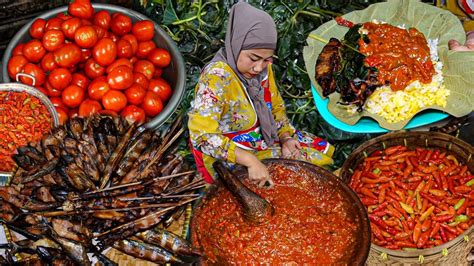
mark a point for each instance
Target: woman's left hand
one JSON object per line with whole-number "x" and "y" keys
{"x": 290, "y": 148}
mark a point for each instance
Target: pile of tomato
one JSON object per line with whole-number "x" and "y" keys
{"x": 88, "y": 62}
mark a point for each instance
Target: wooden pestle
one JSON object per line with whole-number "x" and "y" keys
{"x": 256, "y": 209}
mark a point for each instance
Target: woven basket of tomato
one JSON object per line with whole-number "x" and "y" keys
{"x": 418, "y": 188}
{"x": 90, "y": 58}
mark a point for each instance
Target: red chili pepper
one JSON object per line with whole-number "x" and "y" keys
{"x": 416, "y": 232}
{"x": 443, "y": 218}
{"x": 449, "y": 229}
{"x": 381, "y": 206}
{"x": 405, "y": 244}
{"x": 435, "y": 229}
{"x": 368, "y": 202}
{"x": 425, "y": 226}
{"x": 429, "y": 198}
{"x": 443, "y": 234}
{"x": 368, "y": 193}
{"x": 423, "y": 239}
{"x": 377, "y": 232}
{"x": 344, "y": 22}
{"x": 462, "y": 189}
{"x": 376, "y": 220}
{"x": 463, "y": 207}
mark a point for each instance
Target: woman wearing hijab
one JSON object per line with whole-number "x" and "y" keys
{"x": 238, "y": 115}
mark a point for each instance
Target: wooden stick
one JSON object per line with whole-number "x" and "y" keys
{"x": 139, "y": 182}
{"x": 162, "y": 197}
{"x": 158, "y": 205}
{"x": 160, "y": 212}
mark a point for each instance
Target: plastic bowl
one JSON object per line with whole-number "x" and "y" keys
{"x": 18, "y": 87}
{"x": 174, "y": 74}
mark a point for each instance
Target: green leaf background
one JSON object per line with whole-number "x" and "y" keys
{"x": 198, "y": 28}
{"x": 434, "y": 23}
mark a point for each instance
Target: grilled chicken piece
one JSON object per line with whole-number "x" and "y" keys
{"x": 327, "y": 64}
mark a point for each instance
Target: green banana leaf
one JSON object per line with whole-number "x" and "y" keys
{"x": 433, "y": 22}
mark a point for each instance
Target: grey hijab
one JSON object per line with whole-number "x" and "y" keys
{"x": 251, "y": 28}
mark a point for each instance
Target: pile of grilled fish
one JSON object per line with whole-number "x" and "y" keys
{"x": 95, "y": 183}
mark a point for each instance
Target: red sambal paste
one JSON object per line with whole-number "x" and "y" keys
{"x": 311, "y": 224}
{"x": 23, "y": 119}
{"x": 401, "y": 56}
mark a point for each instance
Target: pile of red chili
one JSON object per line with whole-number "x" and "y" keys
{"x": 311, "y": 224}
{"x": 415, "y": 198}
{"x": 401, "y": 56}
{"x": 23, "y": 118}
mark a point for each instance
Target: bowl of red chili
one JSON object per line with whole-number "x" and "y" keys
{"x": 25, "y": 115}
{"x": 418, "y": 188}
{"x": 318, "y": 219}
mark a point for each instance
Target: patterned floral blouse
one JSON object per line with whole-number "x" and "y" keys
{"x": 222, "y": 105}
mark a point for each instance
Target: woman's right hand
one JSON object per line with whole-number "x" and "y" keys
{"x": 258, "y": 173}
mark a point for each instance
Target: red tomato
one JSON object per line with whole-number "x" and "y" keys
{"x": 52, "y": 92}
{"x": 161, "y": 87}
{"x": 114, "y": 100}
{"x": 15, "y": 65}
{"x": 145, "y": 67}
{"x": 36, "y": 72}
{"x": 73, "y": 95}
{"x": 121, "y": 24}
{"x": 132, "y": 40}
{"x": 144, "y": 48}
{"x": 120, "y": 78}
{"x": 100, "y": 32}
{"x": 58, "y": 102}
{"x": 133, "y": 60}
{"x": 18, "y": 50}
{"x": 140, "y": 79}
{"x": 37, "y": 28}
{"x": 152, "y": 104}
{"x": 53, "y": 24}
{"x": 86, "y": 22}
{"x": 159, "y": 57}
{"x": 119, "y": 62}
{"x": 135, "y": 94}
{"x": 97, "y": 88}
{"x": 63, "y": 16}
{"x": 124, "y": 49}
{"x": 70, "y": 26}
{"x": 86, "y": 36}
{"x": 34, "y": 51}
{"x": 81, "y": 9}
{"x": 133, "y": 114}
{"x": 60, "y": 78}
{"x": 52, "y": 40}
{"x": 102, "y": 19}
{"x": 85, "y": 55}
{"x": 143, "y": 30}
{"x": 62, "y": 115}
{"x": 158, "y": 73}
{"x": 105, "y": 52}
{"x": 80, "y": 80}
{"x": 111, "y": 36}
{"x": 92, "y": 69}
{"x": 68, "y": 55}
{"x": 89, "y": 107}
{"x": 42, "y": 90}
{"x": 48, "y": 63}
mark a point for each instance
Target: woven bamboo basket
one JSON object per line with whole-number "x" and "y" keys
{"x": 454, "y": 252}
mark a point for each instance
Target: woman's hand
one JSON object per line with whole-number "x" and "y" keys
{"x": 258, "y": 172}
{"x": 290, "y": 148}
{"x": 468, "y": 46}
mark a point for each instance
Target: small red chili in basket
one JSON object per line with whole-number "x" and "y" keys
{"x": 23, "y": 119}
{"x": 415, "y": 198}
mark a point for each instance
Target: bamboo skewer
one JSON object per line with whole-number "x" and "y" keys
{"x": 139, "y": 182}
{"x": 143, "y": 218}
{"x": 158, "y": 205}
{"x": 162, "y": 197}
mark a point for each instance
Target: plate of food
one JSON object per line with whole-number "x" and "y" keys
{"x": 388, "y": 67}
